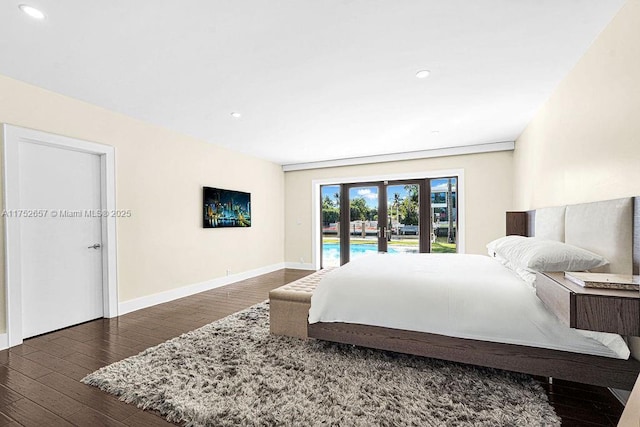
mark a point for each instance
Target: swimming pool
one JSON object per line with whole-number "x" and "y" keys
{"x": 331, "y": 252}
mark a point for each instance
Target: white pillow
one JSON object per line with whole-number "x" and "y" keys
{"x": 495, "y": 244}
{"x": 547, "y": 255}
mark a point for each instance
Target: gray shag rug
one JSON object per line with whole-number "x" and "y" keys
{"x": 233, "y": 372}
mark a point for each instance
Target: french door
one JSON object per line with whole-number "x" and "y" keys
{"x": 409, "y": 216}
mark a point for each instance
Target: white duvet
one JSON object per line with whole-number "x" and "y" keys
{"x": 464, "y": 296}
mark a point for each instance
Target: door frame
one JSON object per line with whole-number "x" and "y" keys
{"x": 345, "y": 217}
{"x": 383, "y": 197}
{"x": 316, "y": 219}
{"x": 424, "y": 196}
{"x": 13, "y": 136}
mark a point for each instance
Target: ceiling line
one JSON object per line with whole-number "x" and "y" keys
{"x": 411, "y": 155}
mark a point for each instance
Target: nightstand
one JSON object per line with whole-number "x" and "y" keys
{"x": 604, "y": 310}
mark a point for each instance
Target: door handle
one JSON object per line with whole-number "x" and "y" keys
{"x": 94, "y": 246}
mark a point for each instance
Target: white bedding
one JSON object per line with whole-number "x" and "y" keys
{"x": 464, "y": 296}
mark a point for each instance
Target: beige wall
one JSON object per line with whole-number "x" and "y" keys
{"x": 159, "y": 176}
{"x": 584, "y": 143}
{"x": 487, "y": 193}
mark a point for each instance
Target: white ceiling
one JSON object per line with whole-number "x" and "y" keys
{"x": 314, "y": 80}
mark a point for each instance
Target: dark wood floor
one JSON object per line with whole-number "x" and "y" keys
{"x": 39, "y": 380}
{"x": 582, "y": 404}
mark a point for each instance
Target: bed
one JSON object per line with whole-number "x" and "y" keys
{"x": 527, "y": 341}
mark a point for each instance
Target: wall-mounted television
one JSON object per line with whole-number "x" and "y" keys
{"x": 225, "y": 208}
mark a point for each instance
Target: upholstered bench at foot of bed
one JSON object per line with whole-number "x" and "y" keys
{"x": 289, "y": 305}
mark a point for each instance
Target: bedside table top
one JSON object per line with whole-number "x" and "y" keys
{"x": 617, "y": 293}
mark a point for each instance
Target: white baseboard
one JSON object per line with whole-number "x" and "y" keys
{"x": 4, "y": 341}
{"x": 299, "y": 265}
{"x": 185, "y": 291}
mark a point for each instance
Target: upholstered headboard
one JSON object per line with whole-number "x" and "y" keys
{"x": 549, "y": 223}
{"x": 610, "y": 228}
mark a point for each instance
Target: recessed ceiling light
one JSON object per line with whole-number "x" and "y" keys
{"x": 31, "y": 11}
{"x": 423, "y": 74}
{"x": 236, "y": 115}
{"x": 435, "y": 132}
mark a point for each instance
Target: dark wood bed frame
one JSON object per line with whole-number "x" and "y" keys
{"x": 597, "y": 370}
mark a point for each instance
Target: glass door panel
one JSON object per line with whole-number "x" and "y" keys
{"x": 363, "y": 221}
{"x": 403, "y": 218}
{"x": 409, "y": 216}
{"x": 444, "y": 214}
{"x": 330, "y": 225}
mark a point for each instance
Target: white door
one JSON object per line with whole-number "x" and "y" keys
{"x": 60, "y": 267}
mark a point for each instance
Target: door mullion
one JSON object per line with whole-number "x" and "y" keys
{"x": 383, "y": 219}
{"x": 345, "y": 218}
{"x": 426, "y": 222}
